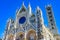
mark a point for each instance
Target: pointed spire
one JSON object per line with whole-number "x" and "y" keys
{"x": 23, "y": 8}
{"x": 29, "y": 5}
{"x": 29, "y": 12}
{"x": 29, "y": 9}
{"x": 23, "y": 4}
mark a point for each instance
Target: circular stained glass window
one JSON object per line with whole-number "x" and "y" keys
{"x": 22, "y": 20}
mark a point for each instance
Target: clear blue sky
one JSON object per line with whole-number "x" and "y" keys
{"x": 8, "y": 9}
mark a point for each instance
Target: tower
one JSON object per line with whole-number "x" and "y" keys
{"x": 51, "y": 20}
{"x": 39, "y": 20}
{"x": 29, "y": 12}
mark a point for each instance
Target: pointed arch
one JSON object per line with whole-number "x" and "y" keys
{"x": 20, "y": 36}
{"x": 31, "y": 35}
{"x": 10, "y": 37}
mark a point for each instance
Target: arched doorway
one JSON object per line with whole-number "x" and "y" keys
{"x": 10, "y": 37}
{"x": 31, "y": 35}
{"x": 20, "y": 36}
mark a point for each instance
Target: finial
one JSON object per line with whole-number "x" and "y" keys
{"x": 23, "y": 4}
{"x": 29, "y": 5}
{"x": 29, "y": 8}
{"x": 38, "y": 8}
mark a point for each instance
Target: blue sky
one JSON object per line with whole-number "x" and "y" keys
{"x": 8, "y": 9}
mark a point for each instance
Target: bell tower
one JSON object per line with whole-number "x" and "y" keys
{"x": 39, "y": 20}
{"x": 51, "y": 20}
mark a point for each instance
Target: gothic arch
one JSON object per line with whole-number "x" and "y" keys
{"x": 31, "y": 35}
{"x": 20, "y": 36}
{"x": 10, "y": 37}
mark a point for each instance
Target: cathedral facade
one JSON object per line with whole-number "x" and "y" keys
{"x": 29, "y": 26}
